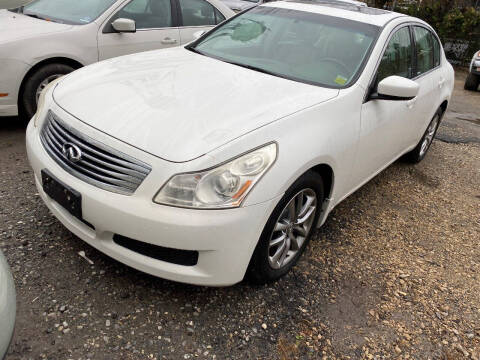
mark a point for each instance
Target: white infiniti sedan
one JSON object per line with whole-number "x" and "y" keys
{"x": 46, "y": 39}
{"x": 209, "y": 162}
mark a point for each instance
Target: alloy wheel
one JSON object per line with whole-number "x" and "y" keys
{"x": 292, "y": 228}
{"x": 427, "y": 141}
{"x": 44, "y": 84}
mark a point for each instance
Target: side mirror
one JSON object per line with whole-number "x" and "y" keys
{"x": 396, "y": 88}
{"x": 198, "y": 34}
{"x": 123, "y": 25}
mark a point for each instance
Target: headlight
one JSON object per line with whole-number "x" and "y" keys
{"x": 224, "y": 186}
{"x": 41, "y": 99}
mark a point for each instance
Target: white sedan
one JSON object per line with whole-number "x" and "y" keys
{"x": 48, "y": 38}
{"x": 205, "y": 163}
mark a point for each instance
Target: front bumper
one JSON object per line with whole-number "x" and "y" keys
{"x": 11, "y": 75}
{"x": 475, "y": 67}
{"x": 224, "y": 239}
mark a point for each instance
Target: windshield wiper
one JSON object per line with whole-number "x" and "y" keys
{"x": 246, "y": 66}
{"x": 251, "y": 67}
{"x": 195, "y": 50}
{"x": 36, "y": 16}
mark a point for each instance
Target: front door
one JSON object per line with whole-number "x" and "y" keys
{"x": 386, "y": 124}
{"x": 156, "y": 29}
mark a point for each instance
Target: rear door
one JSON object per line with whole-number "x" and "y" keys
{"x": 429, "y": 75}
{"x": 156, "y": 24}
{"x": 197, "y": 15}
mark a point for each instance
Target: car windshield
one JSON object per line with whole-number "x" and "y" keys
{"x": 301, "y": 46}
{"x": 67, "y": 11}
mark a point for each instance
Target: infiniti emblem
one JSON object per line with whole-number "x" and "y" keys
{"x": 72, "y": 152}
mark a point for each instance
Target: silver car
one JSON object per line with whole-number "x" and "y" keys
{"x": 473, "y": 78}
{"x": 7, "y": 306}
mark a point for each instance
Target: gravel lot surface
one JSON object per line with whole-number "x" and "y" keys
{"x": 394, "y": 273}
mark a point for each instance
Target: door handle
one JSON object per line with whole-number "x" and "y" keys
{"x": 441, "y": 82}
{"x": 168, "y": 40}
{"x": 411, "y": 103}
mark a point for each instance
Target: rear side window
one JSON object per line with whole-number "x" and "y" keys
{"x": 397, "y": 58}
{"x": 219, "y": 17}
{"x": 424, "y": 49}
{"x": 197, "y": 13}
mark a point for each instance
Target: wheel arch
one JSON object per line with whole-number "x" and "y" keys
{"x": 325, "y": 171}
{"x": 53, "y": 60}
{"x": 444, "y": 106}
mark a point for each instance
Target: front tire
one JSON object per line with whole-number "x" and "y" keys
{"x": 36, "y": 83}
{"x": 472, "y": 81}
{"x": 418, "y": 154}
{"x": 288, "y": 230}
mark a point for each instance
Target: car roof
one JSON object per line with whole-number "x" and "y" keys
{"x": 339, "y": 8}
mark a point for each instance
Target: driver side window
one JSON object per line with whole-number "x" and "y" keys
{"x": 397, "y": 58}
{"x": 148, "y": 14}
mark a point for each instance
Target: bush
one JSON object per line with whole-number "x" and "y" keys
{"x": 448, "y": 22}
{"x": 457, "y": 27}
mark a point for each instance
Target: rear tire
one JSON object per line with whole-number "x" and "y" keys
{"x": 286, "y": 229}
{"x": 36, "y": 82}
{"x": 472, "y": 82}
{"x": 418, "y": 154}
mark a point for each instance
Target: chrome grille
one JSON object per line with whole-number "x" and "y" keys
{"x": 99, "y": 164}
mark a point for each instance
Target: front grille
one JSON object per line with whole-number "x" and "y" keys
{"x": 99, "y": 164}
{"x": 174, "y": 256}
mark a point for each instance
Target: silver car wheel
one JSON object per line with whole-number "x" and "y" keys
{"x": 292, "y": 228}
{"x": 427, "y": 141}
{"x": 44, "y": 84}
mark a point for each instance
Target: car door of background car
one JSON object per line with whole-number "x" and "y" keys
{"x": 156, "y": 24}
{"x": 385, "y": 124}
{"x": 429, "y": 75}
{"x": 196, "y": 15}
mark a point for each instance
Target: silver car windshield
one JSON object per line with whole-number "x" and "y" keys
{"x": 302, "y": 46}
{"x": 67, "y": 11}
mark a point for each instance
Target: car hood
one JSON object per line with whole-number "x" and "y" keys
{"x": 14, "y": 26}
{"x": 179, "y": 105}
{"x": 239, "y": 5}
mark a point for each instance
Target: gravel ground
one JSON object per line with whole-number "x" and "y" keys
{"x": 394, "y": 273}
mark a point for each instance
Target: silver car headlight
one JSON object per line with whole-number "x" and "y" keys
{"x": 224, "y": 186}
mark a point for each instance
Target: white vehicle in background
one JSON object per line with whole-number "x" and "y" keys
{"x": 7, "y": 306}
{"x": 208, "y": 162}
{"x": 473, "y": 79}
{"x": 241, "y": 5}
{"x": 48, "y": 38}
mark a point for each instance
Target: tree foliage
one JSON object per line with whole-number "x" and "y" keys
{"x": 457, "y": 22}
{"x": 449, "y": 21}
